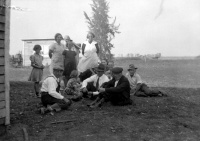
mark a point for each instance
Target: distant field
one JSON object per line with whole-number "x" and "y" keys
{"x": 156, "y": 73}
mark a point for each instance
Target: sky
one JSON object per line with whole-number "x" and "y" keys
{"x": 173, "y": 32}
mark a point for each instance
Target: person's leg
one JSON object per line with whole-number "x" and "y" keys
{"x": 90, "y": 87}
{"x": 36, "y": 88}
{"x": 150, "y": 92}
{"x": 98, "y": 103}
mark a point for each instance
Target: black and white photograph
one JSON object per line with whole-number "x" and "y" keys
{"x": 99, "y": 70}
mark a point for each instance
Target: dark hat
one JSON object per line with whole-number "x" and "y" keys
{"x": 100, "y": 67}
{"x": 131, "y": 67}
{"x": 117, "y": 70}
{"x": 58, "y": 68}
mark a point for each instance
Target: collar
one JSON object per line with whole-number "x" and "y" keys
{"x": 57, "y": 79}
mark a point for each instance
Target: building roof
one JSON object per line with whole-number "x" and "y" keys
{"x": 37, "y": 39}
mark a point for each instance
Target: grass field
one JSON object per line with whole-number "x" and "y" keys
{"x": 157, "y": 73}
{"x": 173, "y": 118}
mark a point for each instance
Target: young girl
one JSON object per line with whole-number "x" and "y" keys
{"x": 69, "y": 61}
{"x": 73, "y": 87}
{"x": 37, "y": 71}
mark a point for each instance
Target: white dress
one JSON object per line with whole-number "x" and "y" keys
{"x": 90, "y": 57}
{"x": 57, "y": 59}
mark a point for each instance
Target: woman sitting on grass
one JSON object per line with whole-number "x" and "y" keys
{"x": 72, "y": 89}
{"x": 138, "y": 88}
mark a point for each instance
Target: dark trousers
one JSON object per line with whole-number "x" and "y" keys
{"x": 116, "y": 98}
{"x": 49, "y": 100}
{"x": 145, "y": 91}
{"x": 91, "y": 88}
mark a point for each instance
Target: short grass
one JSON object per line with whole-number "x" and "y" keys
{"x": 175, "y": 117}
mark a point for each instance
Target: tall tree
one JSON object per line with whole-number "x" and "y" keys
{"x": 100, "y": 26}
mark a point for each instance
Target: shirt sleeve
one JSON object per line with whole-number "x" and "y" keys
{"x": 139, "y": 80}
{"x": 52, "y": 85}
{"x": 90, "y": 79}
{"x": 32, "y": 58}
{"x": 52, "y": 47}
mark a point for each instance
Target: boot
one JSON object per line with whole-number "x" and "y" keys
{"x": 94, "y": 102}
{"x": 98, "y": 104}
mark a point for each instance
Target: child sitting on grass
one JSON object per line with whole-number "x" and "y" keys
{"x": 72, "y": 89}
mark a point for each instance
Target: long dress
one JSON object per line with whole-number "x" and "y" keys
{"x": 69, "y": 62}
{"x": 36, "y": 73}
{"x": 57, "y": 57}
{"x": 90, "y": 57}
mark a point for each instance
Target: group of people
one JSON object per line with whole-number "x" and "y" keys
{"x": 72, "y": 79}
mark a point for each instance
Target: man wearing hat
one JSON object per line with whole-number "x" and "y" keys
{"x": 93, "y": 83}
{"x": 138, "y": 88}
{"x": 117, "y": 90}
{"x": 51, "y": 99}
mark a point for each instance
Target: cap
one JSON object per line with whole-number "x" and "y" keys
{"x": 117, "y": 70}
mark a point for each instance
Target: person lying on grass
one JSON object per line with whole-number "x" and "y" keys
{"x": 138, "y": 88}
{"x": 117, "y": 90}
{"x": 93, "y": 83}
{"x": 51, "y": 99}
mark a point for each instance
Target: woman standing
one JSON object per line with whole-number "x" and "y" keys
{"x": 90, "y": 49}
{"x": 69, "y": 59}
{"x": 55, "y": 53}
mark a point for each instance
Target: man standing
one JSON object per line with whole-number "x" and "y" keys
{"x": 50, "y": 96}
{"x": 117, "y": 90}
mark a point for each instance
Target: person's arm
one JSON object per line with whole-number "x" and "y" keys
{"x": 97, "y": 48}
{"x": 83, "y": 48}
{"x": 86, "y": 81}
{"x": 139, "y": 83}
{"x": 52, "y": 85}
{"x": 33, "y": 64}
{"x": 119, "y": 89}
{"x": 76, "y": 46}
{"x": 50, "y": 53}
{"x": 63, "y": 53}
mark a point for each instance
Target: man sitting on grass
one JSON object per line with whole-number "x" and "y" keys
{"x": 93, "y": 83}
{"x": 117, "y": 90}
{"x": 138, "y": 88}
{"x": 50, "y": 96}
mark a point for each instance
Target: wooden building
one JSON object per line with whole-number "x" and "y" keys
{"x": 4, "y": 62}
{"x": 27, "y": 51}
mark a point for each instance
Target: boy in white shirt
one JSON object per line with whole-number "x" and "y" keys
{"x": 138, "y": 88}
{"x": 50, "y": 96}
